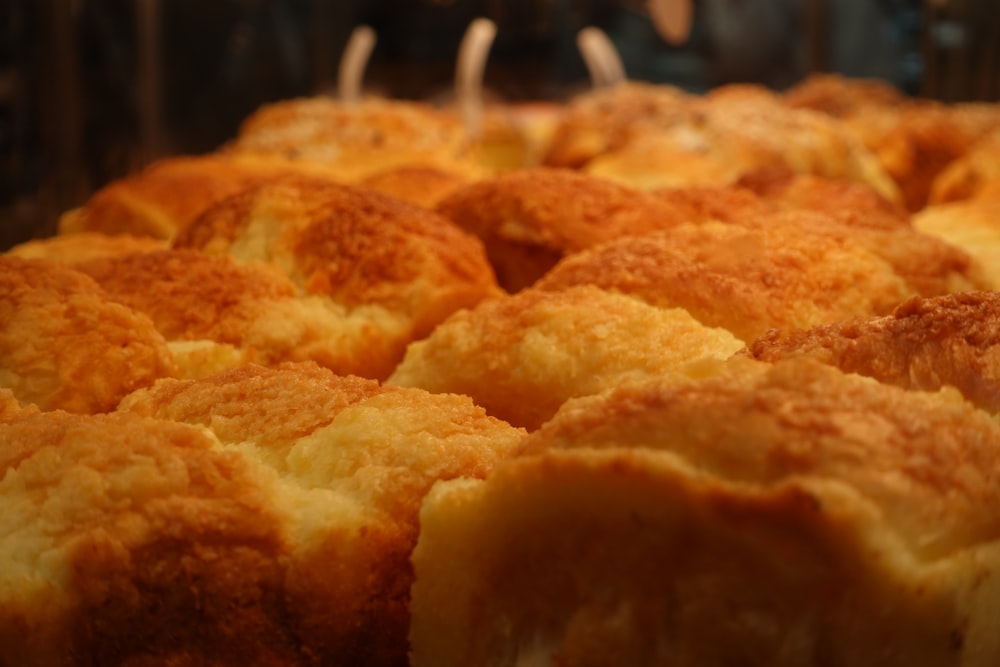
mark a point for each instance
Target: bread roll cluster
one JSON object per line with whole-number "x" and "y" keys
{"x": 648, "y": 378}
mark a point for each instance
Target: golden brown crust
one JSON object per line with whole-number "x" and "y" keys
{"x": 357, "y": 247}
{"x": 191, "y": 295}
{"x": 531, "y": 218}
{"x": 840, "y": 96}
{"x": 921, "y": 143}
{"x": 419, "y": 184}
{"x": 930, "y": 266}
{"x": 969, "y": 173}
{"x": 855, "y": 204}
{"x": 354, "y": 462}
{"x": 752, "y": 128}
{"x": 917, "y": 142}
{"x": 274, "y": 406}
{"x": 168, "y": 194}
{"x": 135, "y": 538}
{"x": 677, "y": 159}
{"x": 65, "y": 344}
{"x": 82, "y": 247}
{"x": 606, "y": 119}
{"x": 775, "y": 274}
{"x": 523, "y": 356}
{"x": 783, "y": 515}
{"x": 217, "y": 313}
{"x": 714, "y": 138}
{"x": 801, "y": 417}
{"x": 370, "y": 136}
{"x": 10, "y": 407}
{"x": 972, "y": 225}
{"x": 925, "y": 344}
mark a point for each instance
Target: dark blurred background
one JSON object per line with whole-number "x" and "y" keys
{"x": 91, "y": 90}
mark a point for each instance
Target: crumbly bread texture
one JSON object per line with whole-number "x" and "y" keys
{"x": 523, "y": 356}
{"x": 789, "y": 515}
{"x": 362, "y": 250}
{"x": 745, "y": 280}
{"x": 66, "y": 344}
{"x": 273, "y": 528}
{"x": 10, "y": 407}
{"x": 972, "y": 225}
{"x": 926, "y": 344}
{"x": 217, "y": 313}
{"x": 529, "y": 219}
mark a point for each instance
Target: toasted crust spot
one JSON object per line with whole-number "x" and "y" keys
{"x": 924, "y": 344}
{"x": 217, "y": 313}
{"x": 355, "y": 246}
{"x": 189, "y": 294}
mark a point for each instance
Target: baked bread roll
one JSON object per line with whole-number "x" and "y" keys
{"x": 168, "y": 194}
{"x": 746, "y": 280}
{"x": 928, "y": 344}
{"x": 717, "y": 137}
{"x": 365, "y": 137}
{"x": 842, "y": 97}
{"x": 609, "y": 118}
{"x": 65, "y": 344}
{"x": 529, "y": 219}
{"x": 915, "y": 140}
{"x": 217, "y": 313}
{"x": 794, "y": 515}
{"x": 274, "y": 527}
{"x": 930, "y": 265}
{"x": 523, "y": 356}
{"x": 372, "y": 256}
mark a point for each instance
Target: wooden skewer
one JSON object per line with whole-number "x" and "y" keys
{"x": 470, "y": 69}
{"x": 353, "y": 63}
{"x": 602, "y": 59}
